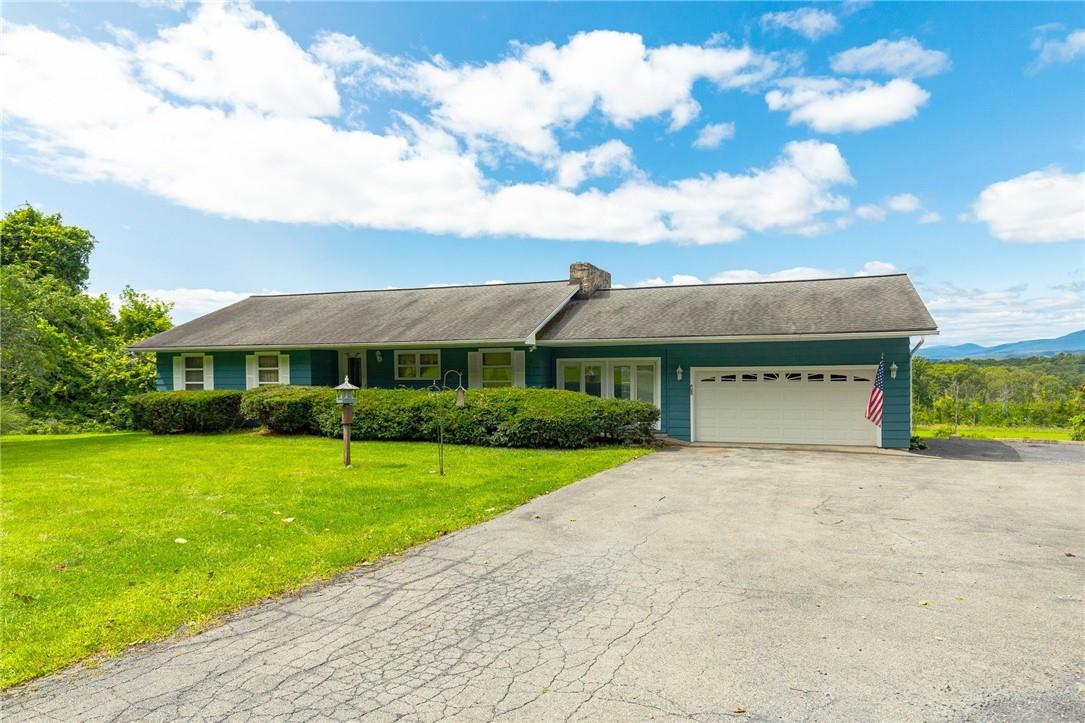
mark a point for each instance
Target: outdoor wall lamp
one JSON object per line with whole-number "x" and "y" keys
{"x": 344, "y": 395}
{"x": 893, "y": 370}
{"x": 678, "y": 372}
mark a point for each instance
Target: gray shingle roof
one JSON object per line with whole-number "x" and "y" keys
{"x": 866, "y": 304}
{"x": 404, "y": 316}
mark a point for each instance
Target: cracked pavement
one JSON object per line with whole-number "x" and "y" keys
{"x": 691, "y": 584}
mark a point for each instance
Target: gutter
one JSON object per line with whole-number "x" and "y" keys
{"x": 716, "y": 339}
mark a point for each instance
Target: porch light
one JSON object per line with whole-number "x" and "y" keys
{"x": 678, "y": 372}
{"x": 344, "y": 395}
{"x": 893, "y": 370}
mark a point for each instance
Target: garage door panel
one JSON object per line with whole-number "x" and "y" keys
{"x": 795, "y": 405}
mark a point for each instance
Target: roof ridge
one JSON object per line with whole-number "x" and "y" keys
{"x": 408, "y": 288}
{"x": 751, "y": 283}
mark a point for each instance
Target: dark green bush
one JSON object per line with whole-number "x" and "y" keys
{"x": 493, "y": 417}
{"x": 286, "y": 410}
{"x": 171, "y": 412}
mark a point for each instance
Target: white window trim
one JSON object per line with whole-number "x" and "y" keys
{"x": 608, "y": 364}
{"x": 208, "y": 371}
{"x": 418, "y": 363}
{"x": 362, "y": 354}
{"x": 252, "y": 369}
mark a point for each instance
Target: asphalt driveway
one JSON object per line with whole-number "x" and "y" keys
{"x": 693, "y": 584}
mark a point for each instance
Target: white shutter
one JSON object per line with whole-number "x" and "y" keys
{"x": 518, "y": 369}
{"x": 208, "y": 371}
{"x": 284, "y": 369}
{"x": 178, "y": 373}
{"x": 474, "y": 370}
{"x": 250, "y": 372}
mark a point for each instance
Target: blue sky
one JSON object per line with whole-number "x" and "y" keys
{"x": 217, "y": 151}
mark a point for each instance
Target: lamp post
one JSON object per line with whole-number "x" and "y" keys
{"x": 344, "y": 395}
{"x": 460, "y": 402}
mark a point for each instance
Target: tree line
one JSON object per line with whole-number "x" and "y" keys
{"x": 63, "y": 359}
{"x": 1037, "y": 391}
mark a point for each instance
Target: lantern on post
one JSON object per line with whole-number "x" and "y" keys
{"x": 344, "y": 396}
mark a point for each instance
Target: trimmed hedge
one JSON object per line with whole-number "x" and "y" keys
{"x": 171, "y": 412}
{"x": 286, "y": 410}
{"x": 492, "y": 417}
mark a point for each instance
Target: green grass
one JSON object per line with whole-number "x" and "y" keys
{"x": 981, "y": 432}
{"x": 89, "y": 523}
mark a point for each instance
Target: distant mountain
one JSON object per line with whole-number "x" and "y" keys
{"x": 1072, "y": 343}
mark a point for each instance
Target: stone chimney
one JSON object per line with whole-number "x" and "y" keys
{"x": 590, "y": 277}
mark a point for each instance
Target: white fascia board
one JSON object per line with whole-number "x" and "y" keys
{"x": 718, "y": 339}
{"x": 345, "y": 345}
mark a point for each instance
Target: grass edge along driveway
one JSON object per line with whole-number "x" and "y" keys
{"x": 116, "y": 539}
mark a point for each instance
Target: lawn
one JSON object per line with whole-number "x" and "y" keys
{"x": 981, "y": 432}
{"x": 115, "y": 539}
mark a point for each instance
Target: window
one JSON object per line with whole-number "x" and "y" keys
{"x": 793, "y": 377}
{"x": 612, "y": 378}
{"x": 838, "y": 377}
{"x": 267, "y": 369}
{"x": 770, "y": 377}
{"x": 418, "y": 365}
{"x": 497, "y": 368}
{"x": 749, "y": 377}
{"x": 194, "y": 373}
{"x": 815, "y": 377}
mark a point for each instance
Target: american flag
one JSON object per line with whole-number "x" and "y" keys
{"x": 877, "y": 394}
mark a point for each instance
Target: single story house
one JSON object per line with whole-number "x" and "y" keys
{"x": 780, "y": 361}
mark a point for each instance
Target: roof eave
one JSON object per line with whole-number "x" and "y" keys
{"x": 343, "y": 345}
{"x": 896, "y": 334}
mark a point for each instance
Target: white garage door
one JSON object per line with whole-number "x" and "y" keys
{"x": 790, "y": 405}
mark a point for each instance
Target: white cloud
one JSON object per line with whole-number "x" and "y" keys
{"x": 904, "y": 203}
{"x": 870, "y": 212}
{"x": 713, "y": 134}
{"x": 676, "y": 280}
{"x": 520, "y": 101}
{"x": 930, "y": 217}
{"x": 743, "y": 276}
{"x": 190, "y": 303}
{"x": 1050, "y": 51}
{"x": 832, "y": 105}
{"x": 905, "y": 58}
{"x": 238, "y": 57}
{"x": 810, "y": 23}
{"x": 612, "y": 157}
{"x": 201, "y": 137}
{"x": 1040, "y": 207}
{"x": 995, "y": 316}
{"x": 875, "y": 268}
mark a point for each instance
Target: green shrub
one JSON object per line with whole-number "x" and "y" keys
{"x": 493, "y": 417}
{"x": 13, "y": 419}
{"x": 1077, "y": 428}
{"x": 171, "y": 412}
{"x": 286, "y": 410}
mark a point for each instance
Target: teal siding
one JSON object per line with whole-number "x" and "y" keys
{"x": 675, "y": 402}
{"x": 324, "y": 368}
{"x": 229, "y": 369}
{"x": 320, "y": 367}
